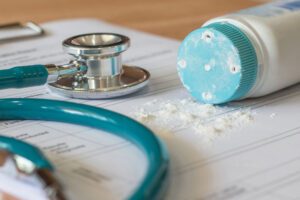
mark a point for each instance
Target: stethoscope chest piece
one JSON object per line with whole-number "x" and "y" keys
{"x": 105, "y": 76}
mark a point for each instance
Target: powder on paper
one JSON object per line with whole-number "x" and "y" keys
{"x": 206, "y": 121}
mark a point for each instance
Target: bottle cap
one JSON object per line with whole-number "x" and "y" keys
{"x": 217, "y": 63}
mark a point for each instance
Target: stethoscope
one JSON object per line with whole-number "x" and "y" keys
{"x": 96, "y": 72}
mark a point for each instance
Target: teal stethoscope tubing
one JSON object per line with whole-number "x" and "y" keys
{"x": 155, "y": 179}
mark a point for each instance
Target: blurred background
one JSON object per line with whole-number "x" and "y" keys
{"x": 171, "y": 18}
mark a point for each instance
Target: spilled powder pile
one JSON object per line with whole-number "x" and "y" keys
{"x": 206, "y": 121}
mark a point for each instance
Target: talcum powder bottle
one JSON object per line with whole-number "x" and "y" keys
{"x": 249, "y": 53}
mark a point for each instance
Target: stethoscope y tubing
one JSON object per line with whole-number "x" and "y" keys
{"x": 120, "y": 125}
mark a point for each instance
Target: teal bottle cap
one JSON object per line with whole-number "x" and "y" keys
{"x": 217, "y": 63}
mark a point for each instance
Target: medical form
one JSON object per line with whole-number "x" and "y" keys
{"x": 260, "y": 160}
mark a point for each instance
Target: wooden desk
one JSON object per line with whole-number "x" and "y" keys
{"x": 171, "y": 18}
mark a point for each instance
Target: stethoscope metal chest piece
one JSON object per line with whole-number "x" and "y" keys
{"x": 105, "y": 76}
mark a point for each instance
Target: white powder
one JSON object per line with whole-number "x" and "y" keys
{"x": 206, "y": 121}
{"x": 273, "y": 115}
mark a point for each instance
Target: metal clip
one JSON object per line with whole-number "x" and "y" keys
{"x": 16, "y": 31}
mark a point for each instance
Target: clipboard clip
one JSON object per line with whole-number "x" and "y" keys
{"x": 19, "y": 31}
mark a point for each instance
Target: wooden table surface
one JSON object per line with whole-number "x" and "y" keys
{"x": 171, "y": 18}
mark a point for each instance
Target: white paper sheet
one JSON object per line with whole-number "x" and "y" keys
{"x": 258, "y": 161}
